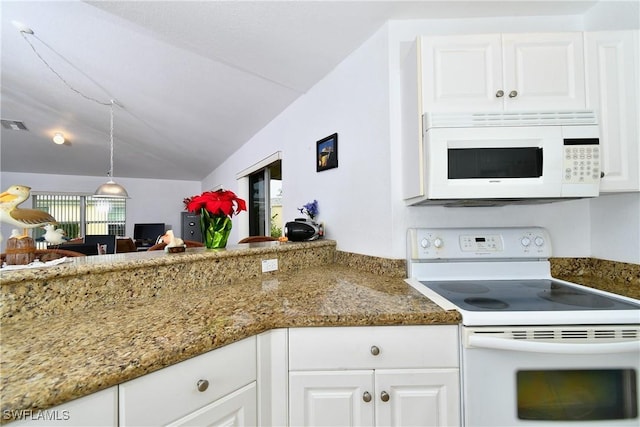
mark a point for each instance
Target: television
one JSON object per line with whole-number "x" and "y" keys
{"x": 147, "y": 234}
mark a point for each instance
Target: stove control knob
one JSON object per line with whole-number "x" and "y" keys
{"x": 438, "y": 243}
{"x": 425, "y": 243}
{"x": 539, "y": 241}
{"x": 525, "y": 241}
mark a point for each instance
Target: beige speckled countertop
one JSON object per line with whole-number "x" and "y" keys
{"x": 95, "y": 322}
{"x": 123, "y": 321}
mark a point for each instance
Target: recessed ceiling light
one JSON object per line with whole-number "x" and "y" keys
{"x": 58, "y": 138}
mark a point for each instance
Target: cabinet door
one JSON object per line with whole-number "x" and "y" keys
{"x": 331, "y": 398}
{"x": 543, "y": 71}
{"x": 235, "y": 410}
{"x": 462, "y": 73}
{"x": 425, "y": 397}
{"x": 612, "y": 89}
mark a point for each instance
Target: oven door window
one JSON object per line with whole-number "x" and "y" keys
{"x": 516, "y": 162}
{"x": 577, "y": 395}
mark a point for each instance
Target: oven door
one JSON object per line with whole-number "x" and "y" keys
{"x": 556, "y": 376}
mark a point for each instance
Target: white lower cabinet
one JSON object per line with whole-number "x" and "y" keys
{"x": 417, "y": 397}
{"x": 327, "y": 376}
{"x": 374, "y": 376}
{"x": 214, "y": 389}
{"x": 99, "y": 409}
{"x": 395, "y": 397}
{"x": 331, "y": 398}
{"x": 234, "y": 410}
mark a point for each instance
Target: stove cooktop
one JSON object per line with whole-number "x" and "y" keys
{"x": 501, "y": 276}
{"x": 524, "y": 295}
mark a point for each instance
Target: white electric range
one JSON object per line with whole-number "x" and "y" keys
{"x": 535, "y": 350}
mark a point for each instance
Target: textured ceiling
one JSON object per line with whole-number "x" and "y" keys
{"x": 193, "y": 80}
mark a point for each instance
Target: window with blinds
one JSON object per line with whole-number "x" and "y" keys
{"x": 80, "y": 215}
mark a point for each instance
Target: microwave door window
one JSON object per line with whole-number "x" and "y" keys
{"x": 494, "y": 163}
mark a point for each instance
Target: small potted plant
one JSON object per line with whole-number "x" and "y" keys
{"x": 216, "y": 209}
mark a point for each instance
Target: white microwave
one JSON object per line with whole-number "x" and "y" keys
{"x": 503, "y": 158}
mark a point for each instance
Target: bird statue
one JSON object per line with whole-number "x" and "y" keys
{"x": 54, "y": 236}
{"x": 171, "y": 240}
{"x": 23, "y": 218}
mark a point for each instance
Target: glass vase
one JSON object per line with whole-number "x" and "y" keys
{"x": 215, "y": 229}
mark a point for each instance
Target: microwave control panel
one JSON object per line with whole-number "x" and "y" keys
{"x": 581, "y": 161}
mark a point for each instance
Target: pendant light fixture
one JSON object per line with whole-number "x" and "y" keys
{"x": 111, "y": 189}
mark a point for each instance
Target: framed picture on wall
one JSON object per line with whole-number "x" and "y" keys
{"x": 327, "y": 153}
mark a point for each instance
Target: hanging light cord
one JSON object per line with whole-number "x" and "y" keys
{"x": 66, "y": 83}
{"x": 22, "y": 33}
{"x": 111, "y": 140}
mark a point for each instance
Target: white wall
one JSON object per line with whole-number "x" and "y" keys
{"x": 354, "y": 198}
{"x": 151, "y": 200}
{"x": 615, "y": 231}
{"x": 613, "y": 15}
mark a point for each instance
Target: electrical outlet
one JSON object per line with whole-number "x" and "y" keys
{"x": 269, "y": 265}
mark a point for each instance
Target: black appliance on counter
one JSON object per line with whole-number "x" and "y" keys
{"x": 303, "y": 230}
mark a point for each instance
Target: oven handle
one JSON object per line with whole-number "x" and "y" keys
{"x": 558, "y": 348}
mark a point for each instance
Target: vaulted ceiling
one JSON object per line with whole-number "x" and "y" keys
{"x": 192, "y": 80}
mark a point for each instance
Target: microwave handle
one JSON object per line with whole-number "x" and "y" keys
{"x": 557, "y": 348}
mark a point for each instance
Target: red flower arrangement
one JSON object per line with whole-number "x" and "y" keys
{"x": 216, "y": 209}
{"x": 220, "y": 202}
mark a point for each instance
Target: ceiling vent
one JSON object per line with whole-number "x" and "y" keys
{"x": 13, "y": 125}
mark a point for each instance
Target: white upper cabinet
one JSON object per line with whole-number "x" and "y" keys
{"x": 497, "y": 72}
{"x": 612, "y": 91}
{"x": 461, "y": 73}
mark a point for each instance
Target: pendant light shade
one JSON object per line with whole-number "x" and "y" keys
{"x": 110, "y": 189}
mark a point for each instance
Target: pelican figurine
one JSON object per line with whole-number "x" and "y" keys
{"x": 52, "y": 235}
{"x": 23, "y": 218}
{"x": 171, "y": 240}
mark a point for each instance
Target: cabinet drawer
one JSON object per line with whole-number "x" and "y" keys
{"x": 353, "y": 347}
{"x": 99, "y": 409}
{"x": 170, "y": 393}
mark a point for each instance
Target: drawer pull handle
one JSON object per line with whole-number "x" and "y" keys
{"x": 384, "y": 396}
{"x": 375, "y": 350}
{"x": 366, "y": 396}
{"x": 513, "y": 94}
{"x": 202, "y": 385}
{"x": 499, "y": 94}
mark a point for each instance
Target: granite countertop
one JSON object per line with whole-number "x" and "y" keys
{"x": 48, "y": 360}
{"x": 77, "y": 328}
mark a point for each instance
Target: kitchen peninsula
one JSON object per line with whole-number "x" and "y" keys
{"x": 83, "y": 326}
